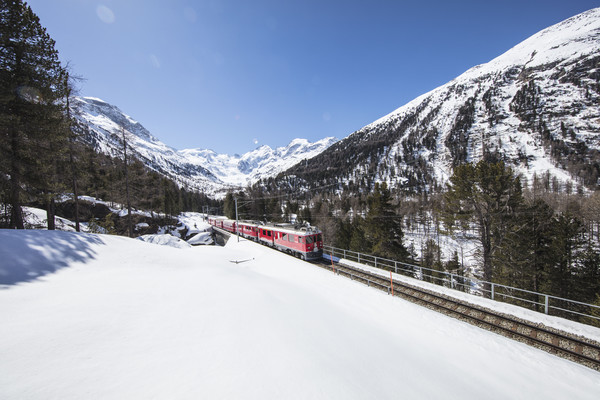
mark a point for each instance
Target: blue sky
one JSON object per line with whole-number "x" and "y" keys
{"x": 231, "y": 75}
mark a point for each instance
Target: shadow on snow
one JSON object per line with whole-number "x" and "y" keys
{"x": 26, "y": 255}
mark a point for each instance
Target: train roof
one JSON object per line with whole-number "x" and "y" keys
{"x": 280, "y": 227}
{"x": 250, "y": 223}
{"x": 291, "y": 228}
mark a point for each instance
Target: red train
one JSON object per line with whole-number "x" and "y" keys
{"x": 304, "y": 242}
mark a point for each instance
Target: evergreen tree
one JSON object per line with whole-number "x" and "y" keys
{"x": 126, "y": 171}
{"x": 458, "y": 274}
{"x": 74, "y": 129}
{"x": 229, "y": 206}
{"x": 486, "y": 194}
{"x": 568, "y": 247}
{"x": 523, "y": 256}
{"x": 358, "y": 240}
{"x": 383, "y": 227}
{"x": 588, "y": 276}
{"x": 527, "y": 253}
{"x": 31, "y": 85}
{"x": 305, "y": 215}
{"x": 344, "y": 234}
{"x": 431, "y": 260}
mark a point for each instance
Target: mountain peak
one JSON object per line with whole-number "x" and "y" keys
{"x": 201, "y": 169}
{"x": 535, "y": 107}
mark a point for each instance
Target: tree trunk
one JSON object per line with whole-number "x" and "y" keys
{"x": 129, "y": 223}
{"x": 486, "y": 243}
{"x": 16, "y": 213}
{"x": 50, "y": 213}
{"x": 71, "y": 156}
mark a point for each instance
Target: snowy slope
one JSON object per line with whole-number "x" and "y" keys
{"x": 106, "y": 125}
{"x": 540, "y": 60}
{"x": 114, "y": 318}
{"x": 197, "y": 168}
{"x": 260, "y": 163}
{"x": 537, "y": 107}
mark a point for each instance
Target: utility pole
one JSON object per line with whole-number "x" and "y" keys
{"x": 237, "y": 231}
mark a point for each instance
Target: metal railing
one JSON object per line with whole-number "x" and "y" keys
{"x": 539, "y": 302}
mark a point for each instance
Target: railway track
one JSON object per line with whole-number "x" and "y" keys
{"x": 562, "y": 344}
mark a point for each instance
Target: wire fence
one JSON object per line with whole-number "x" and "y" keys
{"x": 540, "y": 302}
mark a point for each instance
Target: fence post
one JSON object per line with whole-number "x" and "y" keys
{"x": 396, "y": 266}
{"x": 492, "y": 291}
{"x": 546, "y": 304}
{"x": 375, "y": 262}
{"x": 344, "y": 254}
{"x": 358, "y": 257}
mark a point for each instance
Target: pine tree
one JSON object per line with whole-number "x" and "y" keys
{"x": 568, "y": 246}
{"x": 358, "y": 240}
{"x": 31, "y": 85}
{"x": 126, "y": 171}
{"x": 486, "y": 194}
{"x": 229, "y": 206}
{"x": 526, "y": 253}
{"x": 73, "y": 129}
{"x": 383, "y": 227}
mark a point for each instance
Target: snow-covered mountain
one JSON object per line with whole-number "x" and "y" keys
{"x": 260, "y": 163}
{"x": 537, "y": 107}
{"x": 200, "y": 169}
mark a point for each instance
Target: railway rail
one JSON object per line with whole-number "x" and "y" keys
{"x": 562, "y": 344}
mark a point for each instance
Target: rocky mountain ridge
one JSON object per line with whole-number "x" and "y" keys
{"x": 536, "y": 107}
{"x": 198, "y": 169}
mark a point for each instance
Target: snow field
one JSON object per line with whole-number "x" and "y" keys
{"x": 119, "y": 318}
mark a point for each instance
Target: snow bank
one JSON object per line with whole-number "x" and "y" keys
{"x": 165, "y": 240}
{"x": 563, "y": 324}
{"x": 194, "y": 222}
{"x": 202, "y": 238}
{"x": 116, "y": 318}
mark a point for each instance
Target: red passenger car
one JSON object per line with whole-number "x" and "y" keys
{"x": 216, "y": 221}
{"x": 303, "y": 242}
{"x": 249, "y": 230}
{"x": 265, "y": 235}
{"x": 229, "y": 225}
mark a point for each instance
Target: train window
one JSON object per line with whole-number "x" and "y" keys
{"x": 319, "y": 238}
{"x": 301, "y": 239}
{"x": 310, "y": 239}
{"x": 284, "y": 236}
{"x": 291, "y": 238}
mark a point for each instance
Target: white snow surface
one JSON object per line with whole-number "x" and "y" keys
{"x": 164, "y": 240}
{"x": 202, "y": 238}
{"x": 106, "y": 317}
{"x": 562, "y": 324}
{"x": 195, "y": 222}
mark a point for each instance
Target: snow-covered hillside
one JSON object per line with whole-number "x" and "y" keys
{"x": 537, "y": 107}
{"x": 196, "y": 168}
{"x": 260, "y": 163}
{"x": 110, "y": 318}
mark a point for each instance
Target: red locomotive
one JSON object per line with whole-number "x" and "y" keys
{"x": 303, "y": 242}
